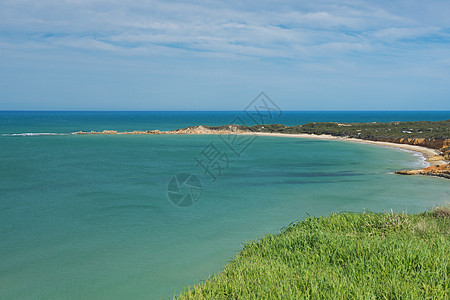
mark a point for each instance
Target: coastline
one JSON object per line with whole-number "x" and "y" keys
{"x": 438, "y": 166}
{"x": 428, "y": 153}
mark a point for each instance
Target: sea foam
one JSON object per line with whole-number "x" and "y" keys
{"x": 36, "y": 134}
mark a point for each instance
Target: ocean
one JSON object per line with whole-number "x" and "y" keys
{"x": 141, "y": 217}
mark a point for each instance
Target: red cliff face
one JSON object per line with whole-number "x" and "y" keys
{"x": 429, "y": 143}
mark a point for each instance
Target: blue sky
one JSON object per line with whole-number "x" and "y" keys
{"x": 218, "y": 55}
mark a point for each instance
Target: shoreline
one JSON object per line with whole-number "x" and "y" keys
{"x": 437, "y": 163}
{"x": 427, "y": 153}
{"x": 431, "y": 156}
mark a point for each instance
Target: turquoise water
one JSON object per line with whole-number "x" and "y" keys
{"x": 88, "y": 217}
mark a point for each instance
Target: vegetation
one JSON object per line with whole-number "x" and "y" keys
{"x": 375, "y": 130}
{"x": 393, "y": 131}
{"x": 342, "y": 256}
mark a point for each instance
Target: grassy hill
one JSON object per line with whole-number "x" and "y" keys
{"x": 344, "y": 256}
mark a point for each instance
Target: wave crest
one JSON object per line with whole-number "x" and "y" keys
{"x": 35, "y": 134}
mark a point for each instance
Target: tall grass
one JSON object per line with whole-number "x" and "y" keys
{"x": 342, "y": 256}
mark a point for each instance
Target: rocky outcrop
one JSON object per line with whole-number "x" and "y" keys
{"x": 124, "y": 132}
{"x": 229, "y": 129}
{"x": 440, "y": 171}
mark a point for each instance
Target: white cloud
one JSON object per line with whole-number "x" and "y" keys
{"x": 180, "y": 28}
{"x": 398, "y": 33}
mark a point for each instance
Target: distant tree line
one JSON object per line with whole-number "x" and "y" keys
{"x": 375, "y": 130}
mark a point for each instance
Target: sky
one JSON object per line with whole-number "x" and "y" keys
{"x": 218, "y": 55}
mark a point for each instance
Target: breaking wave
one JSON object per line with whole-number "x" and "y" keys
{"x": 36, "y": 134}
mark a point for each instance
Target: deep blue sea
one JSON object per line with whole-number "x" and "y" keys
{"x": 142, "y": 217}
{"x": 67, "y": 121}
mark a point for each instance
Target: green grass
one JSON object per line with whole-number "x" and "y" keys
{"x": 341, "y": 256}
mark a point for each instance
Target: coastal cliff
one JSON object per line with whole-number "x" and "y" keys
{"x": 434, "y": 143}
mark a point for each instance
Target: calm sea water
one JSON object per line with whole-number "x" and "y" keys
{"x": 88, "y": 217}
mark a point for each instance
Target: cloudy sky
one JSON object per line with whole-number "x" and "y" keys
{"x": 218, "y": 55}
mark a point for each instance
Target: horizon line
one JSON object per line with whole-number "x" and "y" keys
{"x": 20, "y": 110}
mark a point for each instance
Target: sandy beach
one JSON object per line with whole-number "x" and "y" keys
{"x": 428, "y": 153}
